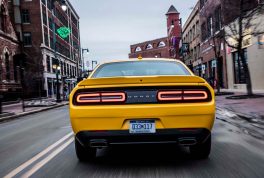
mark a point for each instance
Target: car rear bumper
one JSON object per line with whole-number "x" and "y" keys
{"x": 166, "y": 116}
{"x": 100, "y": 139}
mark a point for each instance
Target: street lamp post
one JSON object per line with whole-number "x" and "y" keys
{"x": 93, "y": 63}
{"x": 57, "y": 63}
{"x": 83, "y": 50}
{"x": 56, "y": 66}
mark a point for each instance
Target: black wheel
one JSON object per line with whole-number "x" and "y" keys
{"x": 84, "y": 153}
{"x": 201, "y": 150}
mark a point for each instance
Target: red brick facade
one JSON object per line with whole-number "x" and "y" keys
{"x": 210, "y": 39}
{"x": 167, "y": 47}
{"x": 159, "y": 49}
{"x": 9, "y": 47}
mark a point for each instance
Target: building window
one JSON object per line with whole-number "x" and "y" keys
{"x": 50, "y": 23}
{"x": 44, "y": 18}
{"x": 149, "y": 46}
{"x": 161, "y": 44}
{"x": 239, "y": 73}
{"x": 54, "y": 62}
{"x": 44, "y": 2}
{"x": 62, "y": 69}
{"x": 49, "y": 2}
{"x": 48, "y": 64}
{"x": 204, "y": 31}
{"x": 25, "y": 16}
{"x": 3, "y": 19}
{"x": 209, "y": 26}
{"x": 197, "y": 28}
{"x": 65, "y": 69}
{"x": 27, "y": 40}
{"x": 202, "y": 2}
{"x": 68, "y": 70}
{"x": 46, "y": 40}
{"x": 194, "y": 32}
{"x": 218, "y": 19}
{"x": 138, "y": 49}
{"x": 7, "y": 65}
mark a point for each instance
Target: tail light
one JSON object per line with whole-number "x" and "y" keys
{"x": 88, "y": 98}
{"x": 170, "y": 95}
{"x": 100, "y": 98}
{"x": 183, "y": 96}
{"x": 195, "y": 95}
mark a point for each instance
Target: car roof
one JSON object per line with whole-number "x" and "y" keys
{"x": 143, "y": 59}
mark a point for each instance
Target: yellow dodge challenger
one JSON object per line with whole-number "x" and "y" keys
{"x": 147, "y": 101}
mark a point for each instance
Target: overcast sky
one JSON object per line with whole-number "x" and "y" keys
{"x": 109, "y": 27}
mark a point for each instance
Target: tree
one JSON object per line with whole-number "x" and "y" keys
{"x": 243, "y": 22}
{"x": 217, "y": 39}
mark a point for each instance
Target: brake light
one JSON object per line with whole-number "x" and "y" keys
{"x": 182, "y": 95}
{"x": 88, "y": 98}
{"x": 100, "y": 97}
{"x": 113, "y": 97}
{"x": 195, "y": 95}
{"x": 170, "y": 95}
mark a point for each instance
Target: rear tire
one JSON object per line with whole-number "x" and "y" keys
{"x": 201, "y": 150}
{"x": 84, "y": 153}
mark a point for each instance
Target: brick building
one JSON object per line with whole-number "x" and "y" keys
{"x": 9, "y": 48}
{"x": 166, "y": 47}
{"x": 212, "y": 48}
{"x": 33, "y": 23}
{"x": 214, "y": 16}
{"x": 191, "y": 40}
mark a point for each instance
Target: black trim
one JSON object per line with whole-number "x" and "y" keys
{"x": 161, "y": 135}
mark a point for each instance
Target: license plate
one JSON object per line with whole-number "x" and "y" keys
{"x": 142, "y": 126}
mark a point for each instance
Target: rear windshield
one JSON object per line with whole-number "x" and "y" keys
{"x": 140, "y": 68}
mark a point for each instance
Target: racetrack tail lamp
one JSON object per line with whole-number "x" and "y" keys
{"x": 195, "y": 95}
{"x": 88, "y": 98}
{"x": 170, "y": 95}
{"x": 113, "y": 97}
{"x": 100, "y": 97}
{"x": 182, "y": 95}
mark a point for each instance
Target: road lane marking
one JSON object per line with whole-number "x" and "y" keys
{"x": 35, "y": 158}
{"x": 40, "y": 164}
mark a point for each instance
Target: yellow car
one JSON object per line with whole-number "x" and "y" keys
{"x": 144, "y": 101}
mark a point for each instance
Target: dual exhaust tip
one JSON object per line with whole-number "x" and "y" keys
{"x": 98, "y": 143}
{"x": 187, "y": 141}
{"x": 102, "y": 143}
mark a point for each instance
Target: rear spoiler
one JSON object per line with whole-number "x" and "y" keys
{"x": 141, "y": 80}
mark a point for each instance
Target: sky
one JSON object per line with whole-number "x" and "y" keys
{"x": 109, "y": 27}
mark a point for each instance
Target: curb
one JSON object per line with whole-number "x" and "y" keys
{"x": 239, "y": 114}
{"x": 9, "y": 118}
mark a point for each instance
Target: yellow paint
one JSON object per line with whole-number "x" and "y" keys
{"x": 117, "y": 117}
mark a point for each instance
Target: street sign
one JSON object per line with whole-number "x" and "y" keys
{"x": 214, "y": 63}
{"x": 203, "y": 67}
{"x": 63, "y": 32}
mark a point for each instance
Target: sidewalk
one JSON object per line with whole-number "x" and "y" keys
{"x": 15, "y": 110}
{"x": 253, "y": 107}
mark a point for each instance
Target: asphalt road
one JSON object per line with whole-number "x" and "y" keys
{"x": 41, "y": 145}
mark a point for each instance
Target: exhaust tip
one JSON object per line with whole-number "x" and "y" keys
{"x": 98, "y": 143}
{"x": 187, "y": 141}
